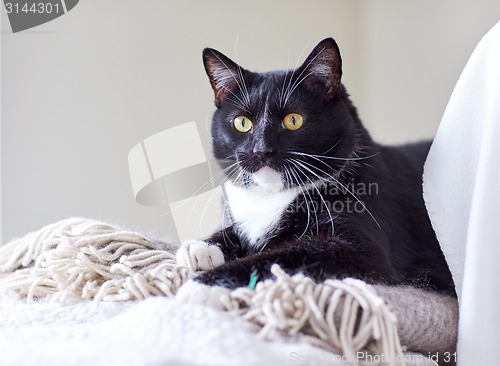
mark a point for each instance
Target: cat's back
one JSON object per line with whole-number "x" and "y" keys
{"x": 416, "y": 151}
{"x": 407, "y": 159}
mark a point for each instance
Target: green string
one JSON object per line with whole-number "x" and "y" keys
{"x": 253, "y": 280}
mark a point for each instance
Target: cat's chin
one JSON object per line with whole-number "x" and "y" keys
{"x": 268, "y": 179}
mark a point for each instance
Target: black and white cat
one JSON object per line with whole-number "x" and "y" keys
{"x": 307, "y": 187}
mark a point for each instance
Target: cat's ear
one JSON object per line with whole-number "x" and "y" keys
{"x": 224, "y": 74}
{"x": 322, "y": 70}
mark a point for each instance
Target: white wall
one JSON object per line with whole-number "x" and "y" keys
{"x": 414, "y": 52}
{"x": 81, "y": 91}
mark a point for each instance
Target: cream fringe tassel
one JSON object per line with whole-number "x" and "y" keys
{"x": 80, "y": 259}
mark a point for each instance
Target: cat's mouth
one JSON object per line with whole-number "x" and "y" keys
{"x": 268, "y": 179}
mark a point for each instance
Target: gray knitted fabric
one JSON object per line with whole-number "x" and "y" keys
{"x": 427, "y": 321}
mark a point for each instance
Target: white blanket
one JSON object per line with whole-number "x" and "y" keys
{"x": 462, "y": 193}
{"x": 154, "y": 331}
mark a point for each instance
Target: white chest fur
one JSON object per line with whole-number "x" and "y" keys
{"x": 255, "y": 211}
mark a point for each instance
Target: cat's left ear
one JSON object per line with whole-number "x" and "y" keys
{"x": 322, "y": 70}
{"x": 224, "y": 74}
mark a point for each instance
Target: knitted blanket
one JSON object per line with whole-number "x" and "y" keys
{"x": 78, "y": 260}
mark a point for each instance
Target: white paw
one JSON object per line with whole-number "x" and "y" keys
{"x": 198, "y": 255}
{"x": 193, "y": 292}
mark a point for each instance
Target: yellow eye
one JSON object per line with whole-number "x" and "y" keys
{"x": 242, "y": 124}
{"x": 293, "y": 121}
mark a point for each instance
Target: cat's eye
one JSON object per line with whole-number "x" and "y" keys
{"x": 242, "y": 124}
{"x": 293, "y": 121}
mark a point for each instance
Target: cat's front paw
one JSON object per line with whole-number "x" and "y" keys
{"x": 193, "y": 292}
{"x": 198, "y": 255}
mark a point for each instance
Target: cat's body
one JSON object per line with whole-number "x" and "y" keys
{"x": 308, "y": 188}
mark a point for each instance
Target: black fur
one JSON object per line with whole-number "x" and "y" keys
{"x": 385, "y": 236}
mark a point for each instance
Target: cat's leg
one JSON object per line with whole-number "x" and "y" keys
{"x": 202, "y": 255}
{"x": 198, "y": 255}
{"x": 318, "y": 259}
{"x": 194, "y": 292}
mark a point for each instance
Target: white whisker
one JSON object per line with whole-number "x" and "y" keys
{"x": 318, "y": 157}
{"x": 304, "y": 191}
{"x": 336, "y": 181}
{"x": 298, "y": 164}
{"x": 245, "y": 90}
{"x": 283, "y": 104}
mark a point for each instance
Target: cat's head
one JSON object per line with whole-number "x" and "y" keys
{"x": 282, "y": 128}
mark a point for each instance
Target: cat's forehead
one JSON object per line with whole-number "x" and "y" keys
{"x": 270, "y": 88}
{"x": 267, "y": 83}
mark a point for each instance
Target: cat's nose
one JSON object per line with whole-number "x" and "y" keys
{"x": 263, "y": 151}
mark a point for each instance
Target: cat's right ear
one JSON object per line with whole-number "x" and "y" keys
{"x": 224, "y": 74}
